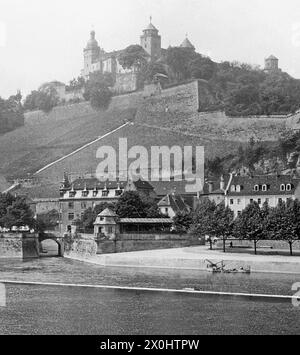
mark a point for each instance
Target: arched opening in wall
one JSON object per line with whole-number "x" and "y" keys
{"x": 50, "y": 248}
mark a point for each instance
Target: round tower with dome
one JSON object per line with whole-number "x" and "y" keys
{"x": 91, "y": 54}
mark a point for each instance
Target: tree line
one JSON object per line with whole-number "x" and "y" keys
{"x": 11, "y": 113}
{"x": 256, "y": 223}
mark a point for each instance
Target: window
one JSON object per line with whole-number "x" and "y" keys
{"x": 251, "y": 200}
{"x": 166, "y": 210}
{"x": 232, "y": 201}
{"x": 239, "y": 201}
{"x": 95, "y": 193}
{"x": 71, "y": 205}
{"x": 233, "y": 188}
{"x": 83, "y": 205}
{"x": 259, "y": 201}
{"x": 105, "y": 193}
{"x": 256, "y": 188}
{"x": 85, "y": 193}
{"x": 280, "y": 200}
{"x": 282, "y": 187}
{"x": 110, "y": 230}
{"x": 71, "y": 216}
{"x": 265, "y": 188}
{"x": 288, "y": 187}
{"x": 72, "y": 194}
{"x": 267, "y": 200}
{"x": 238, "y": 188}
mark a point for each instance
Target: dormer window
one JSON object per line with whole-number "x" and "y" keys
{"x": 256, "y": 188}
{"x": 288, "y": 187}
{"x": 282, "y": 187}
{"x": 265, "y": 188}
{"x": 238, "y": 188}
{"x": 85, "y": 193}
{"x": 233, "y": 189}
{"x": 105, "y": 193}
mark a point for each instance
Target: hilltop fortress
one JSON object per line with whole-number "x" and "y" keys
{"x": 97, "y": 60}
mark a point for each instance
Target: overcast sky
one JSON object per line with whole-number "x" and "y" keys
{"x": 43, "y": 40}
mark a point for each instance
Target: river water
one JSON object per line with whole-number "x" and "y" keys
{"x": 42, "y": 309}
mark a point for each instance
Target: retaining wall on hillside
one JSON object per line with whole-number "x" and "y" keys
{"x": 66, "y": 112}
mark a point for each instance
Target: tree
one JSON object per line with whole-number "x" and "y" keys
{"x": 223, "y": 219}
{"x": 179, "y": 59}
{"x": 133, "y": 56}
{"x": 133, "y": 205}
{"x": 201, "y": 68}
{"x": 44, "y": 99}
{"x": 203, "y": 222}
{"x": 97, "y": 90}
{"x": 100, "y": 98}
{"x": 284, "y": 222}
{"x": 48, "y": 220}
{"x": 14, "y": 211}
{"x": 251, "y": 224}
{"x": 182, "y": 222}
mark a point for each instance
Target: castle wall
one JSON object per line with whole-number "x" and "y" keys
{"x": 126, "y": 82}
{"x": 178, "y": 108}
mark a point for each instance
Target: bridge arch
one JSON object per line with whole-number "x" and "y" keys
{"x": 58, "y": 240}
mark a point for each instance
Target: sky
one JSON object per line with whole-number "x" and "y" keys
{"x": 43, "y": 40}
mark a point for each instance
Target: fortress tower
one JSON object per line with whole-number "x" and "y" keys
{"x": 151, "y": 41}
{"x": 91, "y": 55}
{"x": 271, "y": 64}
{"x": 187, "y": 44}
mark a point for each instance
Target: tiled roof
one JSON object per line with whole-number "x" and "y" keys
{"x": 151, "y": 27}
{"x": 92, "y": 183}
{"x": 273, "y": 183}
{"x": 272, "y": 57}
{"x": 107, "y": 213}
{"x": 176, "y": 202}
{"x": 163, "y": 188}
{"x": 146, "y": 220}
{"x": 187, "y": 44}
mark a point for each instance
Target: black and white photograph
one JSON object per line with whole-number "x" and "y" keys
{"x": 149, "y": 171}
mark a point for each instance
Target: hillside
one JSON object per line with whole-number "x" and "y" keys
{"x": 170, "y": 118}
{"x": 45, "y": 138}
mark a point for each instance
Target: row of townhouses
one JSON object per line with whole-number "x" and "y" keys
{"x": 236, "y": 191}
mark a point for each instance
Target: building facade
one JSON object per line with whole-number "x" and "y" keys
{"x": 77, "y": 196}
{"x": 243, "y": 190}
{"x": 173, "y": 204}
